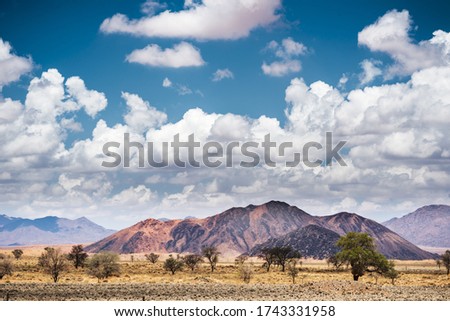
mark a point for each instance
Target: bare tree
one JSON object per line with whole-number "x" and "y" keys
{"x": 173, "y": 264}
{"x": 192, "y": 261}
{"x": 103, "y": 265}
{"x": 240, "y": 259}
{"x": 53, "y": 262}
{"x": 212, "y": 255}
{"x": 246, "y": 272}
{"x": 152, "y": 257}
{"x": 292, "y": 269}
{"x": 17, "y": 253}
{"x": 78, "y": 256}
{"x": 6, "y": 267}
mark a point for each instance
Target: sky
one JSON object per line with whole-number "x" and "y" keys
{"x": 75, "y": 75}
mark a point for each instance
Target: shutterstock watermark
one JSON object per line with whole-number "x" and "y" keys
{"x": 193, "y": 153}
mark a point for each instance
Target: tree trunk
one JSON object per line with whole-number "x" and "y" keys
{"x": 355, "y": 277}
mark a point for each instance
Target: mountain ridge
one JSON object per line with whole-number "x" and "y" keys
{"x": 49, "y": 230}
{"x": 239, "y": 229}
{"x": 427, "y": 226}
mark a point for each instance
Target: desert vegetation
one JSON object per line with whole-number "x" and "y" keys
{"x": 108, "y": 276}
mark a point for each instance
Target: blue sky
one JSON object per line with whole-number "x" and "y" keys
{"x": 319, "y": 42}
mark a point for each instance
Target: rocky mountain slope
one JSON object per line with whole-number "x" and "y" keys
{"x": 240, "y": 229}
{"x": 311, "y": 241}
{"x": 427, "y": 226}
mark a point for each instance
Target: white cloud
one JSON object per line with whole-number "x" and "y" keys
{"x": 370, "y": 71}
{"x": 205, "y": 20}
{"x": 12, "y": 67}
{"x": 390, "y": 34}
{"x": 141, "y": 116}
{"x": 221, "y": 74}
{"x": 92, "y": 101}
{"x": 181, "y": 55}
{"x": 342, "y": 81}
{"x": 286, "y": 52}
{"x": 166, "y": 83}
{"x": 150, "y": 7}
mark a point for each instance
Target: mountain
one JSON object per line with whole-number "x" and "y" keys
{"x": 49, "y": 230}
{"x": 239, "y": 229}
{"x": 426, "y": 226}
{"x": 388, "y": 243}
{"x": 311, "y": 241}
{"x": 234, "y": 231}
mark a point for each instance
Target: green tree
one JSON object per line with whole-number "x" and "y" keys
{"x": 445, "y": 258}
{"x": 392, "y": 273}
{"x": 152, "y": 257}
{"x": 212, "y": 255}
{"x": 53, "y": 262}
{"x": 192, "y": 260}
{"x": 282, "y": 254}
{"x": 78, "y": 256}
{"x": 6, "y": 267}
{"x": 268, "y": 256}
{"x": 103, "y": 265}
{"x": 358, "y": 250}
{"x": 17, "y": 253}
{"x": 173, "y": 264}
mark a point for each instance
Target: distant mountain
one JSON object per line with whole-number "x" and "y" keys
{"x": 239, "y": 229}
{"x": 389, "y": 243}
{"x": 426, "y": 226}
{"x": 49, "y": 230}
{"x": 311, "y": 241}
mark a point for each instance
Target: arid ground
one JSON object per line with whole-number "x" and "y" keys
{"x": 141, "y": 280}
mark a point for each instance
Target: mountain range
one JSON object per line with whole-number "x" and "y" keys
{"x": 426, "y": 226}
{"x": 49, "y": 230}
{"x": 242, "y": 229}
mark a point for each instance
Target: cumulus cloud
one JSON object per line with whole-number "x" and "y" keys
{"x": 221, "y": 74}
{"x": 12, "y": 67}
{"x": 150, "y": 7}
{"x": 370, "y": 71}
{"x": 141, "y": 116}
{"x": 397, "y": 144}
{"x": 181, "y": 55}
{"x": 286, "y": 52}
{"x": 92, "y": 101}
{"x": 390, "y": 35}
{"x": 204, "y": 20}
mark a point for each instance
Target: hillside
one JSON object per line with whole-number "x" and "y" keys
{"x": 427, "y": 226}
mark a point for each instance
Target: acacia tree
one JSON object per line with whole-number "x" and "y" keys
{"x": 358, "y": 250}
{"x": 445, "y": 258}
{"x": 392, "y": 273}
{"x": 53, "y": 262}
{"x": 77, "y": 256}
{"x": 173, "y": 264}
{"x": 6, "y": 267}
{"x": 17, "y": 253}
{"x": 212, "y": 255}
{"x": 152, "y": 257}
{"x": 268, "y": 257}
{"x": 192, "y": 260}
{"x": 103, "y": 265}
{"x": 283, "y": 253}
